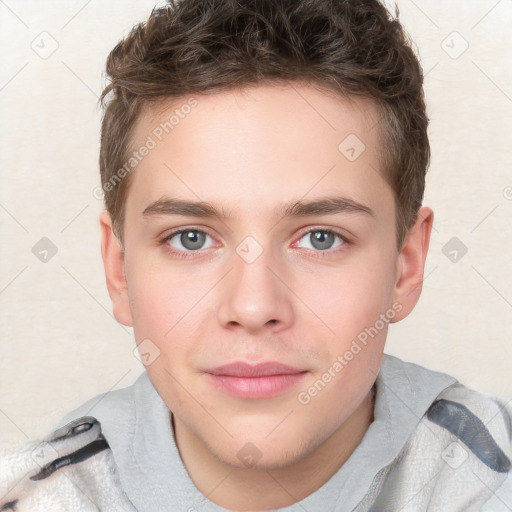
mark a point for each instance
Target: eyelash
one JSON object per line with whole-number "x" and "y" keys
{"x": 191, "y": 254}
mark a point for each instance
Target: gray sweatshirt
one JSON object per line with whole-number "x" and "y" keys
{"x": 434, "y": 445}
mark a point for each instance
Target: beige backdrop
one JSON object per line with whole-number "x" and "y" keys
{"x": 59, "y": 342}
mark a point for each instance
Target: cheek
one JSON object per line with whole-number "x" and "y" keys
{"x": 161, "y": 318}
{"x": 353, "y": 298}
{"x": 152, "y": 307}
{"x": 159, "y": 297}
{"x": 368, "y": 311}
{"x": 167, "y": 308}
{"x": 356, "y": 304}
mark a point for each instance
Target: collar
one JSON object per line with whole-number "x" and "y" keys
{"x": 136, "y": 423}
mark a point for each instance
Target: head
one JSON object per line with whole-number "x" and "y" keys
{"x": 263, "y": 163}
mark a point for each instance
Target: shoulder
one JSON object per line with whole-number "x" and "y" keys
{"x": 449, "y": 411}
{"x": 482, "y": 424}
{"x": 458, "y": 450}
{"x": 461, "y": 449}
{"x": 71, "y": 469}
{"x": 110, "y": 404}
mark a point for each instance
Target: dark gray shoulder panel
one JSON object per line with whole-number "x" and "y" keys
{"x": 462, "y": 423}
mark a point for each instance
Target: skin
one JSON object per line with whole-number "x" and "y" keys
{"x": 248, "y": 152}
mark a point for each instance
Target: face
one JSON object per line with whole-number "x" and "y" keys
{"x": 260, "y": 234}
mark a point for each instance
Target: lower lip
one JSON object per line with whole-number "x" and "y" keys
{"x": 256, "y": 387}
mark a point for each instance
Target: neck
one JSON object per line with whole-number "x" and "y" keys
{"x": 245, "y": 489}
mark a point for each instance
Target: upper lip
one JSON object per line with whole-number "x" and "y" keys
{"x": 242, "y": 369}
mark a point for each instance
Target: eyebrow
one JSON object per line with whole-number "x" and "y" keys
{"x": 204, "y": 209}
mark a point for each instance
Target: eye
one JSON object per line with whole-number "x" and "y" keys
{"x": 188, "y": 240}
{"x": 322, "y": 239}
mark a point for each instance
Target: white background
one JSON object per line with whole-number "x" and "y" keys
{"x": 59, "y": 342}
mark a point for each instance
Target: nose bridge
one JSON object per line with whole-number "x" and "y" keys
{"x": 253, "y": 296}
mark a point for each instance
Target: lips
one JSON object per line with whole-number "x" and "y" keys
{"x": 241, "y": 369}
{"x": 264, "y": 380}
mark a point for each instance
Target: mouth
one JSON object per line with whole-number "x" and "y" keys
{"x": 264, "y": 380}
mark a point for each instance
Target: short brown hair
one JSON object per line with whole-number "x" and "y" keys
{"x": 355, "y": 47}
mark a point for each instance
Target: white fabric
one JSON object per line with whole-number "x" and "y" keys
{"x": 88, "y": 486}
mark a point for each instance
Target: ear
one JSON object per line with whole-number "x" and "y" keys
{"x": 113, "y": 261}
{"x": 411, "y": 263}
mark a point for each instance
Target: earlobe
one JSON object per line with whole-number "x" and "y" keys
{"x": 114, "y": 264}
{"x": 411, "y": 263}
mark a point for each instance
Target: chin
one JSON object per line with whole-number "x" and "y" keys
{"x": 262, "y": 453}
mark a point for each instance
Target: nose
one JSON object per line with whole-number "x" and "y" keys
{"x": 255, "y": 296}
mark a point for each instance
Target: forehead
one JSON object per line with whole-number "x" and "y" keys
{"x": 251, "y": 148}
{"x": 262, "y": 112}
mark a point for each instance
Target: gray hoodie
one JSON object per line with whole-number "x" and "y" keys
{"x": 434, "y": 445}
